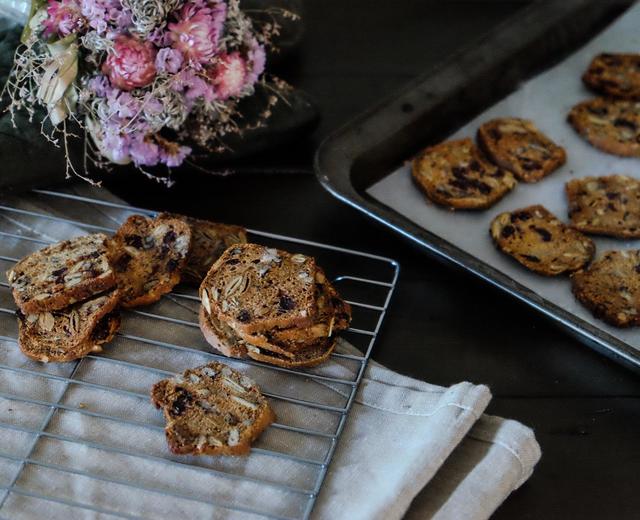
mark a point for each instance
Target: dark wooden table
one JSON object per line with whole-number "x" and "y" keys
{"x": 443, "y": 326}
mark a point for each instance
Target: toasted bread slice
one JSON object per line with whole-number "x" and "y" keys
{"x": 61, "y": 274}
{"x": 208, "y": 241}
{"x": 541, "y": 242}
{"x": 148, "y": 256}
{"x": 254, "y": 288}
{"x": 605, "y": 205}
{"x": 610, "y": 125}
{"x": 70, "y": 333}
{"x": 519, "y": 146}
{"x": 212, "y": 410}
{"x": 456, "y": 175}
{"x": 610, "y": 288}
{"x": 616, "y": 75}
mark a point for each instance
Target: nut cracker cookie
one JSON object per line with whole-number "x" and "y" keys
{"x": 610, "y": 287}
{"x": 148, "y": 256}
{"x": 208, "y": 241}
{"x": 610, "y": 125}
{"x": 212, "y": 410}
{"x": 254, "y": 288}
{"x": 70, "y": 333}
{"x": 518, "y": 146}
{"x": 61, "y": 274}
{"x": 605, "y": 205}
{"x": 293, "y": 311}
{"x": 456, "y": 175}
{"x": 616, "y": 75}
{"x": 541, "y": 242}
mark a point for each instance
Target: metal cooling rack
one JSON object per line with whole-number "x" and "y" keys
{"x": 374, "y": 288}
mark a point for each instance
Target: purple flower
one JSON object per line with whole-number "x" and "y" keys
{"x": 169, "y": 60}
{"x": 123, "y": 104}
{"x": 173, "y": 154}
{"x": 257, "y": 58}
{"x": 101, "y": 13}
{"x": 143, "y": 151}
{"x": 193, "y": 85}
{"x": 100, "y": 85}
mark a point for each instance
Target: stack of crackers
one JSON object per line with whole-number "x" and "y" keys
{"x": 271, "y": 306}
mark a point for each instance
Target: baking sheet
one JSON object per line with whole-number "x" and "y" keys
{"x": 546, "y": 99}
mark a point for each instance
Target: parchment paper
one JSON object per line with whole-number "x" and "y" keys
{"x": 546, "y": 99}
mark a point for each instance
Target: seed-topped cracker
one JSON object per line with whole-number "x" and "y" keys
{"x": 254, "y": 288}
{"x": 148, "y": 256}
{"x": 208, "y": 241}
{"x": 212, "y": 410}
{"x": 519, "y": 147}
{"x": 610, "y": 288}
{"x": 610, "y": 125}
{"x": 541, "y": 242}
{"x": 605, "y": 205}
{"x": 616, "y": 75}
{"x": 62, "y": 274}
{"x": 70, "y": 333}
{"x": 456, "y": 175}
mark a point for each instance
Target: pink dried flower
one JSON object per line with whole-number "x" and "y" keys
{"x": 131, "y": 64}
{"x": 64, "y": 18}
{"x": 197, "y": 31}
{"x": 229, "y": 76}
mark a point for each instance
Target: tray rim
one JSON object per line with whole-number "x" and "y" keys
{"x": 336, "y": 155}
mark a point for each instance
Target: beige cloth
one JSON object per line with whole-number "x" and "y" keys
{"x": 401, "y": 435}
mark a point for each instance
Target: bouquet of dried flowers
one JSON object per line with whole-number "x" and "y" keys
{"x": 143, "y": 80}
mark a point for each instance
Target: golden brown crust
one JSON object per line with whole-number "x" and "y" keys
{"x": 616, "y": 75}
{"x": 518, "y": 146}
{"x": 607, "y": 205}
{"x": 610, "y": 125}
{"x": 148, "y": 256}
{"x": 61, "y": 274}
{"x": 212, "y": 410}
{"x": 538, "y": 240}
{"x": 227, "y": 342}
{"x": 208, "y": 241}
{"x": 455, "y": 174}
{"x": 70, "y": 333}
{"x": 254, "y": 288}
{"x": 610, "y": 288}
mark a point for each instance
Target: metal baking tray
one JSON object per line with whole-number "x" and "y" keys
{"x": 372, "y": 147}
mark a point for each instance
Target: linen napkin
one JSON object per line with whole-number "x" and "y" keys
{"x": 400, "y": 436}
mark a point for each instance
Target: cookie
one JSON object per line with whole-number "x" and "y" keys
{"x": 333, "y": 315}
{"x": 605, "y": 205}
{"x": 61, "y": 274}
{"x": 254, "y": 288}
{"x": 610, "y": 287}
{"x": 148, "y": 256}
{"x": 541, "y": 242}
{"x": 208, "y": 241}
{"x": 616, "y": 75}
{"x": 456, "y": 175}
{"x": 212, "y": 410}
{"x": 518, "y": 146}
{"x": 610, "y": 125}
{"x": 70, "y": 333}
{"x": 224, "y": 339}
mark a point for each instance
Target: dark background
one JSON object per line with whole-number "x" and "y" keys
{"x": 443, "y": 326}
